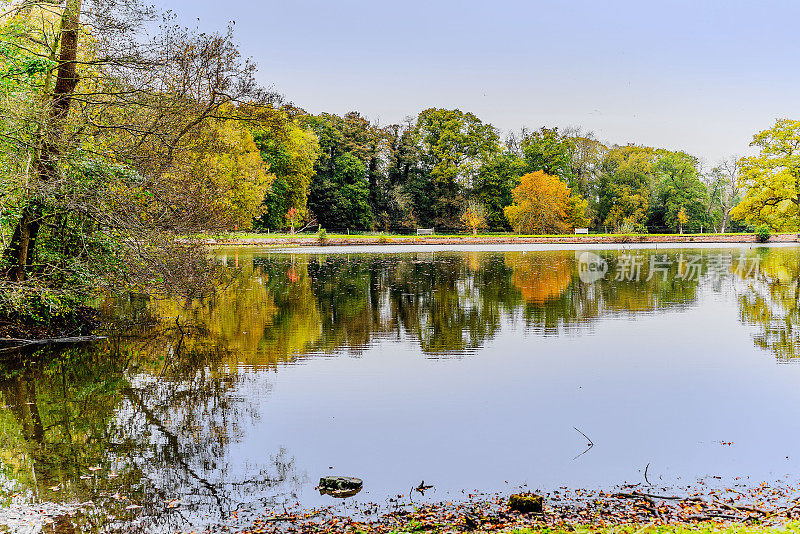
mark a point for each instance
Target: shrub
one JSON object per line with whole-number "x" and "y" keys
{"x": 322, "y": 236}
{"x": 627, "y": 227}
{"x": 42, "y": 312}
{"x": 763, "y": 233}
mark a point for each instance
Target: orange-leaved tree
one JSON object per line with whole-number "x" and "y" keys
{"x": 293, "y": 216}
{"x": 543, "y": 205}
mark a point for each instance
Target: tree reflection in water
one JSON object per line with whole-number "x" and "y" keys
{"x": 147, "y": 425}
{"x": 149, "y": 418}
{"x": 769, "y": 302}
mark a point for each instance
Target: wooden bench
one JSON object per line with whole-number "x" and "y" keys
{"x": 424, "y": 231}
{"x": 581, "y": 230}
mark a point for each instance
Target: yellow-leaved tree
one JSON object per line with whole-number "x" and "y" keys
{"x": 543, "y": 205}
{"x": 771, "y": 179}
{"x": 226, "y": 166}
{"x": 474, "y": 216}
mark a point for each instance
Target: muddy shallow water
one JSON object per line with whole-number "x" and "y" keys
{"x": 469, "y": 368}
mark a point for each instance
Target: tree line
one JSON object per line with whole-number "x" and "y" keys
{"x": 450, "y": 170}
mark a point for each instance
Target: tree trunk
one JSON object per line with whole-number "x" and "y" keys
{"x": 373, "y": 183}
{"x": 18, "y": 247}
{"x": 21, "y": 249}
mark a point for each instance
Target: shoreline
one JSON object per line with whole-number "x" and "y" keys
{"x": 314, "y": 241}
{"x": 639, "y": 508}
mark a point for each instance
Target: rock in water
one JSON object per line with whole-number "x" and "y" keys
{"x": 340, "y": 486}
{"x": 526, "y": 502}
{"x": 340, "y": 483}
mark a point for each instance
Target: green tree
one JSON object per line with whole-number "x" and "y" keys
{"x": 342, "y": 201}
{"x": 679, "y": 189}
{"x": 549, "y": 151}
{"x": 587, "y": 158}
{"x": 291, "y": 152}
{"x": 625, "y": 186}
{"x": 398, "y": 209}
{"x": 356, "y": 137}
{"x": 452, "y": 147}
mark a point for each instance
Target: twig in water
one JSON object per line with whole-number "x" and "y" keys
{"x": 783, "y": 510}
{"x": 645, "y": 473}
{"x": 591, "y": 443}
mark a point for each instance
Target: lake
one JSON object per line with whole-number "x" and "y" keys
{"x": 474, "y": 369}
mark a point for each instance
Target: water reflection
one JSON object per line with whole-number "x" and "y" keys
{"x": 769, "y": 301}
{"x": 142, "y": 435}
{"x": 157, "y": 427}
{"x": 281, "y": 306}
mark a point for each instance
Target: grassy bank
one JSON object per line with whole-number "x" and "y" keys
{"x": 253, "y": 239}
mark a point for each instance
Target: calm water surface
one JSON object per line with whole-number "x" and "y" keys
{"x": 470, "y": 369}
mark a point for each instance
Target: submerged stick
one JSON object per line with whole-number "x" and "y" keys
{"x": 21, "y": 343}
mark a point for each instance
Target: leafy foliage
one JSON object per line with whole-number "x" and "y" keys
{"x": 682, "y": 197}
{"x": 625, "y": 186}
{"x": 542, "y": 205}
{"x": 105, "y": 163}
{"x": 474, "y": 216}
{"x": 291, "y": 152}
{"x": 452, "y": 147}
{"x": 341, "y": 200}
{"x": 763, "y": 233}
{"x": 772, "y": 178}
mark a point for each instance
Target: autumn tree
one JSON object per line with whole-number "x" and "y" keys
{"x": 474, "y": 216}
{"x": 681, "y": 219}
{"x": 293, "y": 216}
{"x": 577, "y": 212}
{"x": 493, "y": 186}
{"x": 108, "y": 113}
{"x": 541, "y": 205}
{"x": 236, "y": 178}
{"x": 771, "y": 179}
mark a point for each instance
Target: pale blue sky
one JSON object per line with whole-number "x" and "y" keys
{"x": 699, "y": 76}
